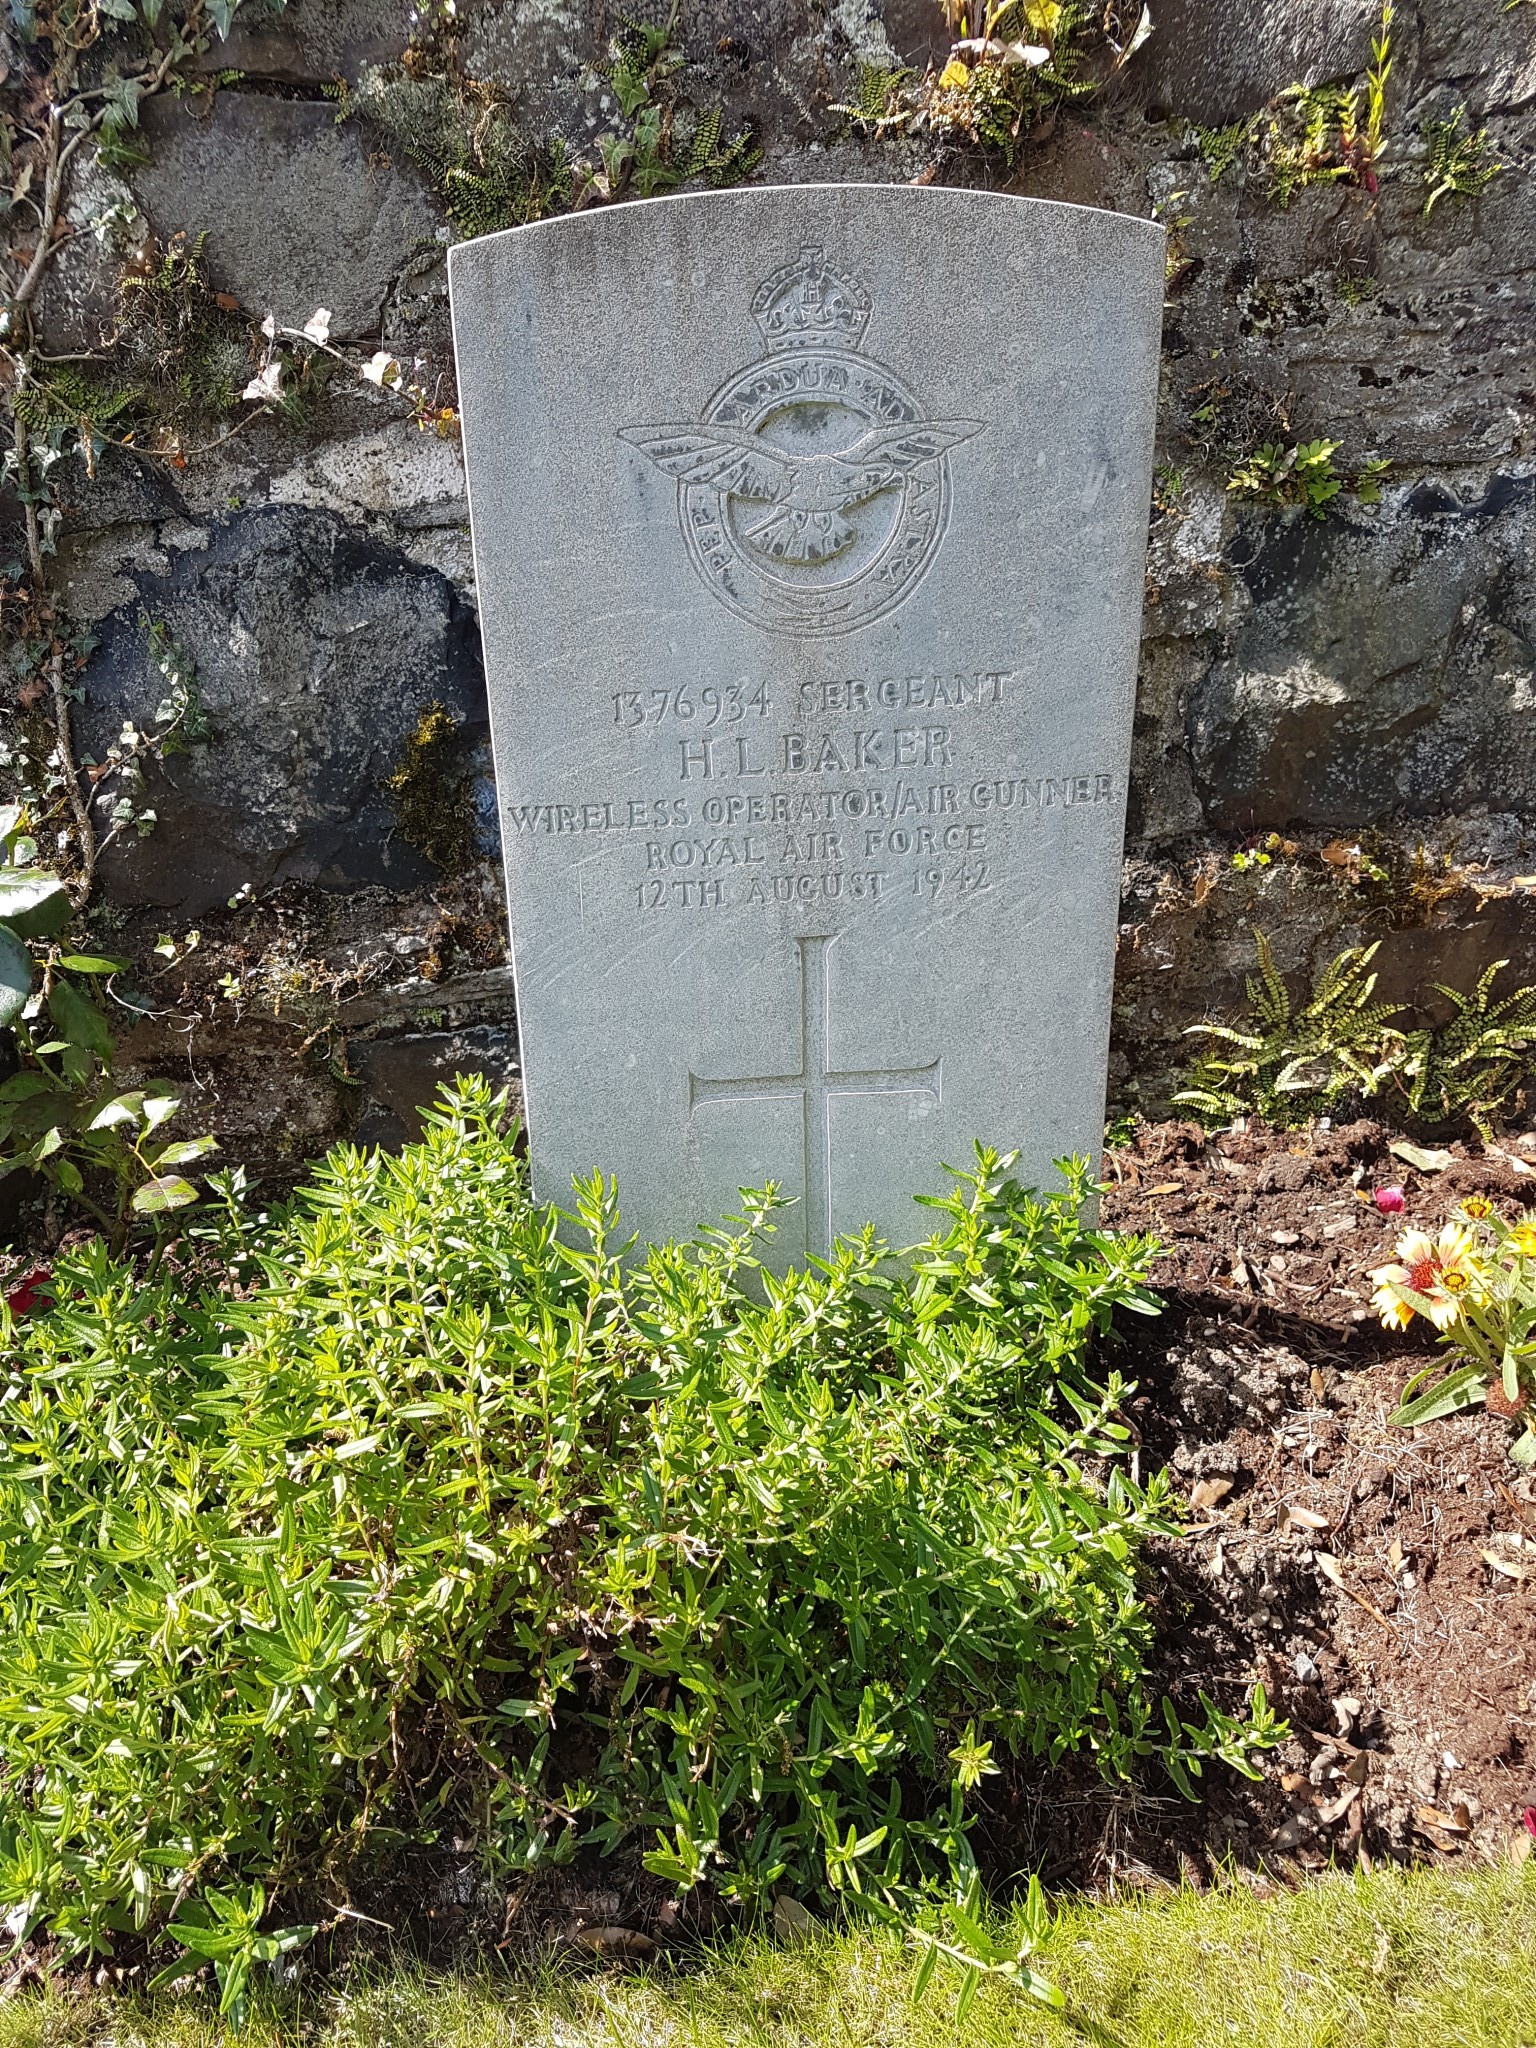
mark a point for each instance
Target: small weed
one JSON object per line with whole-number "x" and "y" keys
{"x": 1030, "y": 58}
{"x": 175, "y": 364}
{"x": 1168, "y": 490}
{"x": 1263, "y": 851}
{"x": 63, "y": 1116}
{"x": 1404, "y": 890}
{"x": 1305, "y": 475}
{"x": 1221, "y": 148}
{"x": 1121, "y": 1128}
{"x": 1355, "y": 290}
{"x": 463, "y": 134}
{"x": 1310, "y": 134}
{"x": 1458, "y": 161}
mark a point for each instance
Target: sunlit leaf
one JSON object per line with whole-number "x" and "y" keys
{"x": 165, "y": 1191}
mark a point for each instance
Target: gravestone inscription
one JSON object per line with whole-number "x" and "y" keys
{"x": 809, "y": 527}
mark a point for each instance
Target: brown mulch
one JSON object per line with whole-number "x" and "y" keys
{"x": 1340, "y": 1560}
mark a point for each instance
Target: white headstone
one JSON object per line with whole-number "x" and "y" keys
{"x": 809, "y": 528}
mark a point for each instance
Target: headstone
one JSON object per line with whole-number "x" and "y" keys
{"x": 809, "y": 529}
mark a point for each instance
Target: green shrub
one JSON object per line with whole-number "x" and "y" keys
{"x": 427, "y": 1511}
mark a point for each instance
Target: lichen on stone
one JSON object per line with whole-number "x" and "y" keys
{"x": 433, "y": 794}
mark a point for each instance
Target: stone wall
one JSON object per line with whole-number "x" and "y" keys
{"x": 1315, "y": 680}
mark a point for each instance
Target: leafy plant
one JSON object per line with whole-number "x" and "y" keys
{"x": 1476, "y": 1283}
{"x": 1296, "y": 1062}
{"x": 464, "y": 135}
{"x": 1473, "y": 1065}
{"x": 1303, "y": 475}
{"x": 60, "y": 1114}
{"x": 1310, "y": 134}
{"x": 448, "y": 1504}
{"x": 1027, "y": 59}
{"x": 223, "y": 1928}
{"x": 1220, "y": 148}
{"x": 1323, "y": 135}
{"x": 1458, "y": 161}
{"x": 1293, "y": 1063}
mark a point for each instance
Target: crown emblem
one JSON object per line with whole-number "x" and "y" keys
{"x": 808, "y": 301}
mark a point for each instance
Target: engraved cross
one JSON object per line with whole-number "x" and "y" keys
{"x": 817, "y": 1084}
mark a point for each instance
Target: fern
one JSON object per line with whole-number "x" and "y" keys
{"x": 1289, "y": 1064}
{"x": 1293, "y": 1063}
{"x": 64, "y": 394}
{"x": 1220, "y": 148}
{"x": 719, "y": 166}
{"x": 1473, "y": 1065}
{"x": 878, "y": 97}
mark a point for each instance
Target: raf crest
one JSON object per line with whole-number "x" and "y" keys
{"x": 813, "y": 494}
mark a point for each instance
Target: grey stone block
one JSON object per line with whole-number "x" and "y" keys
{"x": 299, "y": 213}
{"x": 317, "y": 649}
{"x": 1386, "y": 665}
{"x": 1213, "y": 61}
{"x": 401, "y": 1076}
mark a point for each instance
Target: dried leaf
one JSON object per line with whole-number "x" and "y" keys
{"x": 1520, "y": 1846}
{"x": 613, "y": 1941}
{"x": 1304, "y": 1518}
{"x": 1336, "y": 1809}
{"x": 1167, "y": 1187}
{"x": 1444, "y": 1823}
{"x": 317, "y": 327}
{"x": 1329, "y": 1567}
{"x": 1208, "y": 1492}
{"x": 1515, "y": 1557}
{"x": 791, "y": 1922}
{"x": 1418, "y": 1155}
{"x": 1340, "y": 853}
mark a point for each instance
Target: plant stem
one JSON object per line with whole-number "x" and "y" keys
{"x": 80, "y": 809}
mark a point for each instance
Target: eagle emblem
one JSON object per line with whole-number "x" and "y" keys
{"x": 813, "y": 493}
{"x": 808, "y": 493}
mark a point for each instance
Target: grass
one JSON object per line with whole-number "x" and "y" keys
{"x": 1438, "y": 1959}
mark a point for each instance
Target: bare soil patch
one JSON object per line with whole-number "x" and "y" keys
{"x": 1340, "y": 1560}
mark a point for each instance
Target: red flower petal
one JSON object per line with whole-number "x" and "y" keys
{"x": 23, "y": 1299}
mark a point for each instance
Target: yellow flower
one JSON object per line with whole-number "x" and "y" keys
{"x": 1477, "y": 1206}
{"x": 1428, "y": 1277}
{"x": 1523, "y": 1239}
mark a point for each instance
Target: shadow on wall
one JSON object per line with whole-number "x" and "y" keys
{"x": 317, "y": 651}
